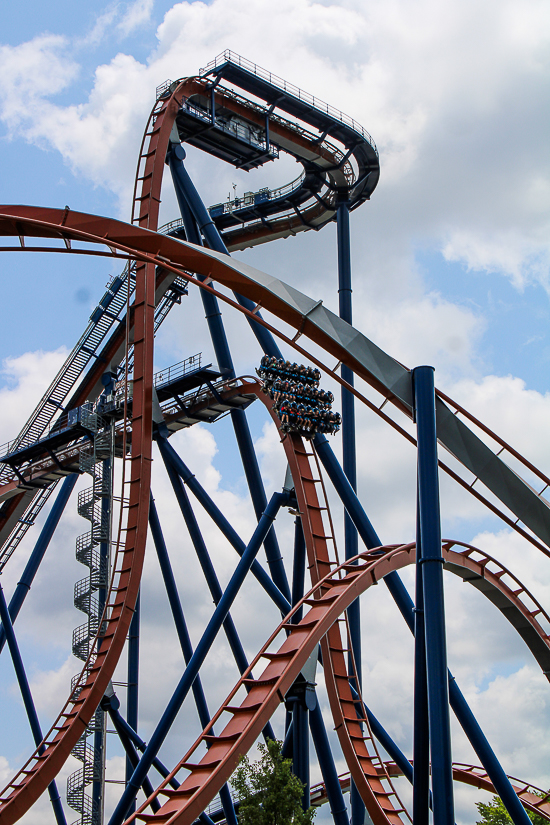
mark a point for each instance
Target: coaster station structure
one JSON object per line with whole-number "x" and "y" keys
{"x": 105, "y": 408}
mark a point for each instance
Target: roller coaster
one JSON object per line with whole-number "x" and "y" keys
{"x": 107, "y": 407}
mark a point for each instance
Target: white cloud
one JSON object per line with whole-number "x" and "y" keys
{"x": 25, "y": 379}
{"x": 452, "y": 95}
{"x": 31, "y": 72}
{"x": 137, "y": 14}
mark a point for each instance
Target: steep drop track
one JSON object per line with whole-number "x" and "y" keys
{"x": 159, "y": 259}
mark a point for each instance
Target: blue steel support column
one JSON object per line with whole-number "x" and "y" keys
{"x": 133, "y": 675}
{"x": 421, "y": 730}
{"x": 277, "y": 501}
{"x": 298, "y": 582}
{"x": 349, "y": 462}
{"x": 186, "y": 187}
{"x": 405, "y": 604}
{"x": 298, "y": 568}
{"x": 328, "y": 768}
{"x": 184, "y": 639}
{"x": 434, "y": 608}
{"x": 175, "y": 604}
{"x": 224, "y": 526}
{"x": 28, "y": 700}
{"x": 24, "y": 584}
{"x": 286, "y": 750}
{"x": 189, "y": 199}
{"x": 300, "y": 752}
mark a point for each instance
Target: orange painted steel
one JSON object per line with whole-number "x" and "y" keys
{"x": 149, "y": 247}
{"x": 39, "y": 770}
{"x": 153, "y": 151}
{"x": 181, "y": 259}
{"x": 363, "y": 761}
{"x": 534, "y": 799}
{"x": 326, "y": 602}
{"x": 331, "y": 594}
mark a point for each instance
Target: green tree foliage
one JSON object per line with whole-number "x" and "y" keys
{"x": 494, "y": 813}
{"x": 268, "y": 791}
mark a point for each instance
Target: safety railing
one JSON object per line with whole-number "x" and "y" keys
{"x": 60, "y": 424}
{"x": 169, "y": 374}
{"x": 229, "y": 56}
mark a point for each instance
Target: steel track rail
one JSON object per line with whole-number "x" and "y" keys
{"x": 326, "y": 158}
{"x": 366, "y": 773}
{"x": 325, "y": 604}
{"x": 378, "y": 796}
{"x": 315, "y": 322}
{"x": 39, "y": 770}
{"x": 154, "y": 245}
{"x": 534, "y": 799}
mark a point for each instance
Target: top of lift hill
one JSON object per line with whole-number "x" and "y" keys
{"x": 277, "y": 92}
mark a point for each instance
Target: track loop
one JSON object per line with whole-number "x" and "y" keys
{"x": 325, "y": 603}
{"x": 45, "y": 763}
{"x": 207, "y": 773}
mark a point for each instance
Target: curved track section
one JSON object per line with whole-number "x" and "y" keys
{"x": 311, "y": 319}
{"x": 47, "y": 760}
{"x": 149, "y": 248}
{"x": 197, "y": 108}
{"x": 534, "y": 799}
{"x": 325, "y": 604}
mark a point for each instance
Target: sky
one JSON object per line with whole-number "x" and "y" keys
{"x": 450, "y": 262}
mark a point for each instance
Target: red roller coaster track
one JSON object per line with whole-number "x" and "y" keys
{"x": 334, "y": 586}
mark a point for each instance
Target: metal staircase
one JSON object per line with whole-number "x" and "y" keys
{"x": 106, "y": 314}
{"x": 92, "y": 550}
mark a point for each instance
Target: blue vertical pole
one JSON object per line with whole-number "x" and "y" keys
{"x": 298, "y": 582}
{"x": 349, "y": 462}
{"x": 24, "y": 584}
{"x": 298, "y": 568}
{"x": 421, "y": 732}
{"x": 328, "y": 768}
{"x": 132, "y": 702}
{"x": 277, "y": 501}
{"x": 405, "y": 604}
{"x": 434, "y": 608}
{"x": 192, "y": 207}
{"x": 28, "y": 700}
{"x": 300, "y": 753}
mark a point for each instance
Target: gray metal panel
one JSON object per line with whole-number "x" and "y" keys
{"x": 512, "y": 491}
{"x": 384, "y": 370}
{"x": 320, "y": 325}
